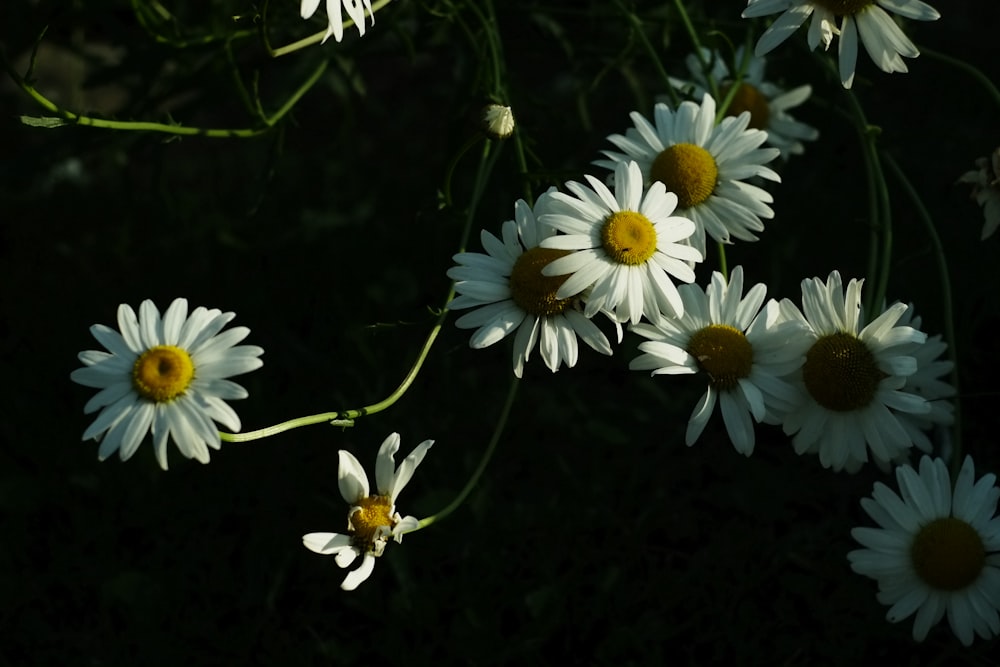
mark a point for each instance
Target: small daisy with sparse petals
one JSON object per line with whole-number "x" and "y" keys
{"x": 165, "y": 375}
{"x": 936, "y": 551}
{"x": 882, "y": 38}
{"x": 355, "y": 10}
{"x": 371, "y": 520}
{"x": 852, "y": 378}
{"x": 767, "y": 103}
{"x": 625, "y": 244}
{"x": 986, "y": 190}
{"x": 744, "y": 354}
{"x": 509, "y": 291}
{"x": 704, "y": 164}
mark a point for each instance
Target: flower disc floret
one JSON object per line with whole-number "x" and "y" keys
{"x": 532, "y": 291}
{"x": 370, "y": 520}
{"x": 689, "y": 171}
{"x": 840, "y": 372}
{"x": 724, "y": 353}
{"x": 162, "y": 373}
{"x": 628, "y": 237}
{"x": 948, "y": 554}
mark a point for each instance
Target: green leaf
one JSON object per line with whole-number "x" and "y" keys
{"x": 44, "y": 121}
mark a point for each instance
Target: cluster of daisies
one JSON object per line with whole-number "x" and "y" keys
{"x": 849, "y": 386}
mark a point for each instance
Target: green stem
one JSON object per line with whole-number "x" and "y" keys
{"x": 971, "y": 70}
{"x": 947, "y": 304}
{"x": 70, "y": 118}
{"x": 693, "y": 34}
{"x": 723, "y": 266}
{"x": 879, "y": 211}
{"x": 483, "y": 462}
{"x": 675, "y": 99}
{"x": 347, "y": 417}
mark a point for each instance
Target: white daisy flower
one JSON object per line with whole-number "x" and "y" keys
{"x": 705, "y": 165}
{"x": 936, "y": 551}
{"x": 743, "y": 353}
{"x": 926, "y": 382}
{"x": 883, "y": 39}
{"x": 371, "y": 520}
{"x": 355, "y": 10}
{"x": 852, "y": 378}
{"x": 986, "y": 190}
{"x": 509, "y": 291}
{"x": 166, "y": 376}
{"x": 767, "y": 103}
{"x": 625, "y": 244}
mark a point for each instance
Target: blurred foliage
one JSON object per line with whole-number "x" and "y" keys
{"x": 595, "y": 536}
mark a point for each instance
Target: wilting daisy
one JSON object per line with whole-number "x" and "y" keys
{"x": 509, "y": 291}
{"x": 767, "y": 103}
{"x": 986, "y": 190}
{"x": 166, "y": 375}
{"x": 704, "y": 164}
{"x": 743, "y": 353}
{"x": 882, "y": 38}
{"x": 371, "y": 520}
{"x": 852, "y": 378}
{"x": 355, "y": 10}
{"x": 936, "y": 552}
{"x": 926, "y": 382}
{"x": 625, "y": 244}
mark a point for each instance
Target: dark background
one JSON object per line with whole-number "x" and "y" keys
{"x": 595, "y": 536}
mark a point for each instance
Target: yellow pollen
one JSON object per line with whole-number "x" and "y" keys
{"x": 688, "y": 171}
{"x": 531, "y": 291}
{"x": 844, "y": 7}
{"x": 748, "y": 98}
{"x": 724, "y": 353}
{"x": 371, "y": 514}
{"x": 162, "y": 373}
{"x": 840, "y": 372}
{"x": 628, "y": 237}
{"x": 948, "y": 554}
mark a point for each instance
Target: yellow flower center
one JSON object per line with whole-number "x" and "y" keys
{"x": 688, "y": 171}
{"x": 628, "y": 237}
{"x": 948, "y": 554}
{"x": 844, "y": 7}
{"x": 531, "y": 291}
{"x": 162, "y": 373}
{"x": 723, "y": 352}
{"x": 372, "y": 514}
{"x": 748, "y": 98}
{"x": 840, "y": 372}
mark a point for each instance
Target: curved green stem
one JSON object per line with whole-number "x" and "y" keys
{"x": 696, "y": 42}
{"x": 947, "y": 304}
{"x": 637, "y": 27}
{"x": 483, "y": 462}
{"x": 70, "y": 118}
{"x": 148, "y": 11}
{"x": 879, "y": 210}
{"x": 347, "y": 417}
{"x": 971, "y": 70}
